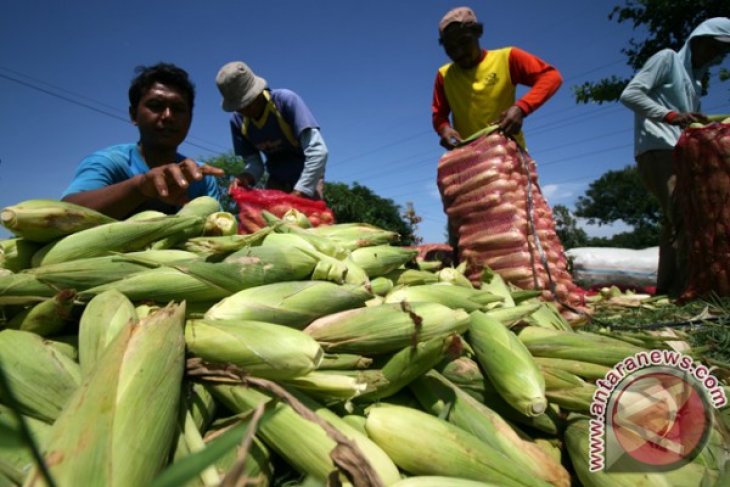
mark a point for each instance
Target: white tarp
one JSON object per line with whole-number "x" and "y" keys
{"x": 606, "y": 266}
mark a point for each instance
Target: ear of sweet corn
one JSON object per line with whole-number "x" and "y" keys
{"x": 422, "y": 444}
{"x": 329, "y": 387}
{"x": 455, "y": 277}
{"x": 202, "y": 206}
{"x": 47, "y": 220}
{"x": 257, "y": 463}
{"x": 381, "y": 286}
{"x": 436, "y": 394}
{"x": 102, "y": 319}
{"x": 355, "y": 235}
{"x": 226, "y": 244}
{"x": 23, "y": 289}
{"x": 220, "y": 223}
{"x": 493, "y": 282}
{"x": 48, "y": 317}
{"x": 412, "y": 277}
{"x": 437, "y": 481}
{"x": 548, "y": 316}
{"x": 303, "y": 443}
{"x": 386, "y": 328}
{"x": 584, "y": 370}
{"x": 41, "y": 378}
{"x": 508, "y": 364}
{"x": 378, "y": 260}
{"x": 294, "y": 304}
{"x": 322, "y": 244}
{"x": 296, "y": 217}
{"x": 577, "y": 398}
{"x": 248, "y": 344}
{"x": 15, "y": 456}
{"x": 123, "y": 236}
{"x": 118, "y": 428}
{"x": 344, "y": 361}
{"x": 448, "y": 295}
{"x": 146, "y": 215}
{"x": 408, "y": 364}
{"x": 327, "y": 268}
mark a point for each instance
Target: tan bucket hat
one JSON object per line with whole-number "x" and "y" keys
{"x": 239, "y": 85}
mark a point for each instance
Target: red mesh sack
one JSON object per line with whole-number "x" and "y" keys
{"x": 702, "y": 192}
{"x": 490, "y": 192}
{"x": 252, "y": 202}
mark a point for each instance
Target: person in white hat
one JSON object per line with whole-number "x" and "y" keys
{"x": 478, "y": 87}
{"x": 665, "y": 97}
{"x": 276, "y": 124}
{"x": 148, "y": 175}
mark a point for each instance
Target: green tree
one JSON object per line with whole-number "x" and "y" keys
{"x": 566, "y": 226}
{"x": 359, "y": 204}
{"x": 232, "y": 165}
{"x": 668, "y": 24}
{"x": 620, "y": 195}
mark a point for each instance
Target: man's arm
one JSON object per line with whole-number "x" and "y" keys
{"x": 542, "y": 78}
{"x": 440, "y": 111}
{"x": 315, "y": 160}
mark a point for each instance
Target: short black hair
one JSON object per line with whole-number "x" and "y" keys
{"x": 475, "y": 28}
{"x": 163, "y": 73}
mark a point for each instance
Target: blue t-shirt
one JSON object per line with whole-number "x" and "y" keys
{"x": 284, "y": 155}
{"x": 121, "y": 162}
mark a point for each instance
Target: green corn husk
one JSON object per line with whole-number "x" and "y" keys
{"x": 23, "y": 289}
{"x": 15, "y": 455}
{"x": 48, "y": 317}
{"x": 577, "y": 441}
{"x": 582, "y": 346}
{"x": 446, "y": 294}
{"x": 68, "y": 345}
{"x": 83, "y": 274}
{"x": 584, "y": 370}
{"x": 511, "y": 315}
{"x": 412, "y": 277}
{"x": 355, "y": 274}
{"x": 436, "y": 481}
{"x": 16, "y": 253}
{"x": 412, "y": 362}
{"x": 302, "y": 443}
{"x": 41, "y": 378}
{"x": 225, "y": 245}
{"x": 508, "y": 364}
{"x": 258, "y": 462}
{"x": 559, "y": 379}
{"x": 548, "y": 316}
{"x": 102, "y": 319}
{"x": 47, "y": 220}
{"x": 123, "y": 236}
{"x": 328, "y": 387}
{"x": 198, "y": 281}
{"x": 322, "y": 244}
{"x": 101, "y": 438}
{"x": 356, "y": 421}
{"x": 294, "y": 304}
{"x": 578, "y": 399}
{"x": 355, "y": 235}
{"x": 248, "y": 345}
{"x": 146, "y": 215}
{"x": 429, "y": 265}
{"x": 422, "y": 444}
{"x": 441, "y": 397}
{"x": 296, "y": 217}
{"x": 202, "y": 206}
{"x": 381, "y": 286}
{"x": 385, "y": 328}
{"x": 327, "y": 268}
{"x": 379, "y": 260}
{"x": 465, "y": 373}
{"x": 344, "y": 361}
{"x": 493, "y": 282}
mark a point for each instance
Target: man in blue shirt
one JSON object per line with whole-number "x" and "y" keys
{"x": 125, "y": 179}
{"x": 277, "y": 124}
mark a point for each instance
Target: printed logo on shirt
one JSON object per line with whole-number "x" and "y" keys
{"x": 491, "y": 79}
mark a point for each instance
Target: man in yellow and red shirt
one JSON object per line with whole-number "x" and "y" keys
{"x": 478, "y": 87}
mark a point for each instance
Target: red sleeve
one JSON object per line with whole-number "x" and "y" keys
{"x": 528, "y": 69}
{"x": 440, "y": 108}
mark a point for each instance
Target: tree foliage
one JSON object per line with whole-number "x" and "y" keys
{"x": 232, "y": 165}
{"x": 359, "y": 204}
{"x": 668, "y": 24}
{"x": 566, "y": 226}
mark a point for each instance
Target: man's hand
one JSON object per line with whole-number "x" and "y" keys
{"x": 450, "y": 138}
{"x": 510, "y": 122}
{"x": 685, "y": 119}
{"x": 243, "y": 180}
{"x": 169, "y": 183}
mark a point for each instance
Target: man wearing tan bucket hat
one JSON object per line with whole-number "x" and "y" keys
{"x": 478, "y": 87}
{"x": 276, "y": 124}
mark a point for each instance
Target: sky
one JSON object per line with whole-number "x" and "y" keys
{"x": 365, "y": 69}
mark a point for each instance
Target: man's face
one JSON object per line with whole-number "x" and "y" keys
{"x": 163, "y": 117}
{"x": 707, "y": 50}
{"x": 462, "y": 46}
{"x": 255, "y": 109}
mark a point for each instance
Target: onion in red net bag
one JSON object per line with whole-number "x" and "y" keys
{"x": 252, "y": 202}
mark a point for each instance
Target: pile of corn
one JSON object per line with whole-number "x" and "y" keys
{"x": 170, "y": 351}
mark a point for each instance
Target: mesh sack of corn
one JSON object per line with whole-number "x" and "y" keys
{"x": 252, "y": 202}
{"x": 490, "y": 192}
{"x": 702, "y": 192}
